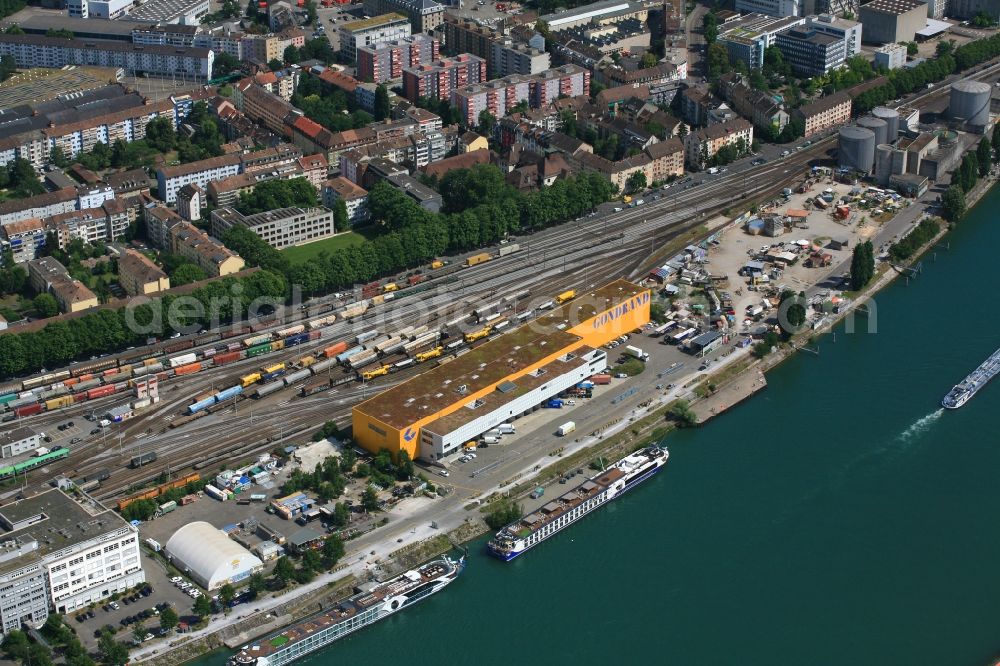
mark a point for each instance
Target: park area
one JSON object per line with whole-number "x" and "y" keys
{"x": 300, "y": 254}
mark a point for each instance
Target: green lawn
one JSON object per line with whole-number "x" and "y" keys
{"x": 303, "y": 253}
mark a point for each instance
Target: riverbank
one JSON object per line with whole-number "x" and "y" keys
{"x": 645, "y": 423}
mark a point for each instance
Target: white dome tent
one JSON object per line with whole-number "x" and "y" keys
{"x": 210, "y": 557}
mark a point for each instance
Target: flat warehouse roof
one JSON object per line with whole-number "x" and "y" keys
{"x": 519, "y": 387}
{"x": 489, "y": 363}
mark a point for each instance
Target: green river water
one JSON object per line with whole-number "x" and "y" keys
{"x": 840, "y": 517}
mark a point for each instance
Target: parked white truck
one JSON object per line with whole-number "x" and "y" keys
{"x": 636, "y": 352}
{"x": 566, "y": 428}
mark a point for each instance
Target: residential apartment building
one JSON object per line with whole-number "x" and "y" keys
{"x": 38, "y": 206}
{"x": 23, "y": 239}
{"x": 41, "y": 51}
{"x": 371, "y": 32}
{"x": 171, "y": 179}
{"x": 354, "y": 196}
{"x": 385, "y": 62}
{"x": 826, "y": 112}
{"x": 809, "y": 52}
{"x": 17, "y": 440}
{"x": 48, "y": 275}
{"x": 265, "y": 107}
{"x": 196, "y": 246}
{"x": 436, "y": 80}
{"x": 108, "y": 222}
{"x": 657, "y": 162}
{"x": 501, "y": 95}
{"x": 271, "y": 159}
{"x": 190, "y": 199}
{"x": 466, "y": 36}
{"x": 746, "y": 39}
{"x": 701, "y": 145}
{"x": 61, "y": 553}
{"x": 279, "y": 228}
{"x": 760, "y": 108}
{"x": 77, "y": 124}
{"x": 315, "y": 168}
{"x": 509, "y": 57}
{"x": 424, "y": 15}
{"x": 139, "y": 276}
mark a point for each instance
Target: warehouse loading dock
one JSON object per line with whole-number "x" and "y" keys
{"x": 433, "y": 414}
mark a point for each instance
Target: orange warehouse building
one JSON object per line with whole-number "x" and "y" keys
{"x": 433, "y": 414}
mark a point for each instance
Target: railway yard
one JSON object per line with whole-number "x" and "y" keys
{"x": 194, "y": 368}
{"x": 610, "y": 243}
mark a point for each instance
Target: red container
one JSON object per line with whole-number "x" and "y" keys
{"x": 188, "y": 369}
{"x": 228, "y": 357}
{"x": 314, "y": 335}
{"x": 28, "y": 410}
{"x": 601, "y": 379}
{"x": 415, "y": 279}
{"x": 332, "y": 351}
{"x": 71, "y": 381}
{"x": 79, "y": 397}
{"x": 108, "y": 373}
{"x": 100, "y": 392}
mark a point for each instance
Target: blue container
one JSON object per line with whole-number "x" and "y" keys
{"x": 228, "y": 393}
{"x": 296, "y": 339}
{"x": 200, "y": 405}
{"x": 349, "y": 353}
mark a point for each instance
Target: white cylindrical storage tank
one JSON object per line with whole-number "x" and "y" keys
{"x": 891, "y": 118}
{"x": 856, "y": 148}
{"x": 883, "y": 163}
{"x": 876, "y": 125}
{"x": 970, "y": 101}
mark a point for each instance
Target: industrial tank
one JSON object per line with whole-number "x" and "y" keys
{"x": 883, "y": 163}
{"x": 856, "y": 148}
{"x": 891, "y": 118}
{"x": 876, "y": 125}
{"x": 970, "y": 101}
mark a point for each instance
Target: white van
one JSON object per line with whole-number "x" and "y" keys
{"x": 489, "y": 439}
{"x": 507, "y": 428}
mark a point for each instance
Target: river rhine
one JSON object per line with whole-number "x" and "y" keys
{"x": 840, "y": 517}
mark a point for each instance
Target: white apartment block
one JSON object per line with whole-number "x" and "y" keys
{"x": 171, "y": 179}
{"x": 509, "y": 58}
{"x": 56, "y": 52}
{"x": 59, "y": 554}
{"x": 279, "y": 228}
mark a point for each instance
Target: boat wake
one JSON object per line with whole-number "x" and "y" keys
{"x": 920, "y": 426}
{"x": 871, "y": 461}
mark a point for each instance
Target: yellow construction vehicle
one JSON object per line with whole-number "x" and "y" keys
{"x": 377, "y": 372}
{"x": 476, "y": 335}
{"x": 431, "y": 353}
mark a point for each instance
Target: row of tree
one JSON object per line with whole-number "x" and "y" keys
{"x": 112, "y": 330}
{"x": 916, "y": 239}
{"x": 862, "y": 265}
{"x": 20, "y": 179}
